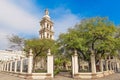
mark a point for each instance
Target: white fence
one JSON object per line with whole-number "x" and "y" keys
{"x": 23, "y": 67}
{"x": 110, "y": 66}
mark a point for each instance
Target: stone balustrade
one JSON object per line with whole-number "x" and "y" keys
{"x": 17, "y": 67}
{"x": 111, "y": 66}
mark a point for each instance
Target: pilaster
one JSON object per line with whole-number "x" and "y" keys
{"x": 30, "y": 61}
{"x": 50, "y": 63}
{"x": 93, "y": 65}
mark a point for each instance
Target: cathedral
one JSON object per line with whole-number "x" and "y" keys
{"x": 46, "y": 27}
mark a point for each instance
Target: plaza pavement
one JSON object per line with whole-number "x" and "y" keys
{"x": 5, "y": 76}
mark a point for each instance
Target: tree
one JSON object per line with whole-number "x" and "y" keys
{"x": 117, "y": 38}
{"x": 16, "y": 42}
{"x": 94, "y": 34}
{"x": 40, "y": 48}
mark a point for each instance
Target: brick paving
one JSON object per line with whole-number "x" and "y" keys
{"x": 5, "y": 76}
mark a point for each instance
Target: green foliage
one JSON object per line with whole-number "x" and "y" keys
{"x": 94, "y": 34}
{"x": 56, "y": 71}
{"x": 40, "y": 48}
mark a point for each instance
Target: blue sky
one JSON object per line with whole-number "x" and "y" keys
{"x": 87, "y": 8}
{"x": 22, "y": 17}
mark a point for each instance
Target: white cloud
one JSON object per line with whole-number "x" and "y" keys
{"x": 21, "y": 17}
{"x": 3, "y": 40}
{"x": 16, "y": 18}
{"x": 65, "y": 19}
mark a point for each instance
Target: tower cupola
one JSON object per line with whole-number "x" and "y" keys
{"x": 46, "y": 27}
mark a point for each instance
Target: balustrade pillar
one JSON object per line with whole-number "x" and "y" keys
{"x": 21, "y": 65}
{"x": 11, "y": 66}
{"x": 75, "y": 63}
{"x": 4, "y": 66}
{"x": 50, "y": 63}
{"x": 15, "y": 70}
{"x": 101, "y": 65}
{"x": 0, "y": 67}
{"x": 93, "y": 64}
{"x": 110, "y": 65}
{"x": 30, "y": 61}
{"x": 115, "y": 67}
{"x": 7, "y": 65}
{"x": 106, "y": 65}
{"x": 118, "y": 66}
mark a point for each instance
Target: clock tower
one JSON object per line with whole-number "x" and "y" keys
{"x": 46, "y": 27}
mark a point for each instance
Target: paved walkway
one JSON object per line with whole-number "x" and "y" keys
{"x": 4, "y": 76}
{"x": 115, "y": 76}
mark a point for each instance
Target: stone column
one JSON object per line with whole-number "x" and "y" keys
{"x": 7, "y": 66}
{"x": 115, "y": 67}
{"x": 50, "y": 63}
{"x": 118, "y": 67}
{"x": 75, "y": 63}
{"x": 11, "y": 66}
{"x": 15, "y": 70}
{"x": 4, "y": 66}
{"x": 93, "y": 65}
{"x": 21, "y": 65}
{"x": 106, "y": 65}
{"x": 101, "y": 65}
{"x": 0, "y": 66}
{"x": 110, "y": 65}
{"x": 30, "y": 62}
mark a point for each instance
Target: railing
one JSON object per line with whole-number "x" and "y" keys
{"x": 109, "y": 68}
{"x": 23, "y": 67}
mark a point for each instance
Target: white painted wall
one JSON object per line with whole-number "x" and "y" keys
{"x": 8, "y": 55}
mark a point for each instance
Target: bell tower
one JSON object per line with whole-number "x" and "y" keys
{"x": 46, "y": 27}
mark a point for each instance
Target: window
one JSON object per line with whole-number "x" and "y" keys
{"x": 50, "y": 27}
{"x": 47, "y": 25}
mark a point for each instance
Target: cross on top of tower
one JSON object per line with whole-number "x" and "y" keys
{"x": 46, "y": 12}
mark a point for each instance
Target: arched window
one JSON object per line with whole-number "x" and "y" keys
{"x": 47, "y": 26}
{"x": 50, "y": 36}
{"x": 47, "y": 35}
{"x": 50, "y": 27}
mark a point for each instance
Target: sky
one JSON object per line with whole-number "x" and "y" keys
{"x": 22, "y": 17}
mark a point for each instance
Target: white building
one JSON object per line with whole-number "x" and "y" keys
{"x": 11, "y": 55}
